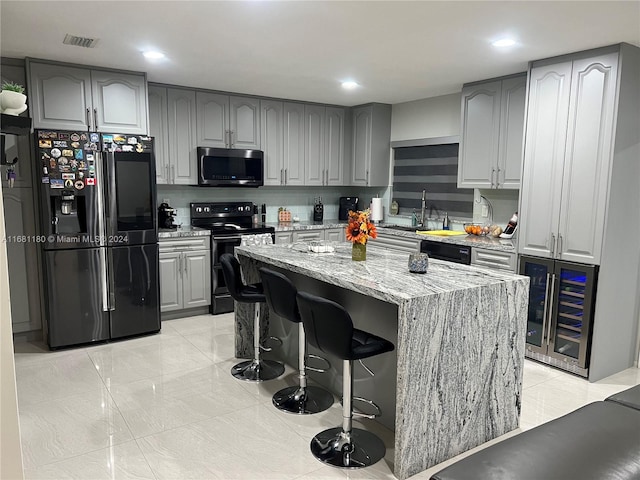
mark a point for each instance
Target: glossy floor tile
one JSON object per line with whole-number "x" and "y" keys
{"x": 166, "y": 407}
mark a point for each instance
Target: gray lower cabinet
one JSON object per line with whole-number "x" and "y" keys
{"x": 63, "y": 97}
{"x": 494, "y": 259}
{"x": 396, "y": 242}
{"x": 309, "y": 235}
{"x": 185, "y": 273}
{"x": 22, "y": 258}
{"x": 371, "y": 145}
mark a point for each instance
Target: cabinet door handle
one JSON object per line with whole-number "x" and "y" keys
{"x": 366, "y": 179}
{"x": 88, "y": 119}
{"x": 560, "y": 245}
{"x": 186, "y": 265}
{"x": 173, "y": 174}
{"x": 231, "y": 139}
{"x": 285, "y": 176}
{"x": 498, "y": 178}
{"x": 95, "y": 119}
{"x": 282, "y": 176}
{"x": 180, "y": 265}
{"x": 553, "y": 245}
{"x": 493, "y": 171}
{"x": 552, "y": 291}
{"x": 167, "y": 177}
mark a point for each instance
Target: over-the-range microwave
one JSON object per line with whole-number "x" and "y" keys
{"x": 230, "y": 167}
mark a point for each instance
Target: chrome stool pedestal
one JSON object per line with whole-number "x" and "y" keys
{"x": 348, "y": 447}
{"x": 303, "y": 399}
{"x": 257, "y": 370}
{"x": 280, "y": 294}
{"x": 330, "y": 329}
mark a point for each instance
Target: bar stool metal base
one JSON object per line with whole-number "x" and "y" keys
{"x": 257, "y": 370}
{"x": 357, "y": 449}
{"x": 302, "y": 401}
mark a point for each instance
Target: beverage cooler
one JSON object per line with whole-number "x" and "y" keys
{"x": 561, "y": 306}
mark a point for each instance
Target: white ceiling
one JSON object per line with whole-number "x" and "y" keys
{"x": 398, "y": 51}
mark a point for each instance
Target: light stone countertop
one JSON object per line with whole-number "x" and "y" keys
{"x": 186, "y": 231}
{"x": 384, "y": 275}
{"x": 490, "y": 243}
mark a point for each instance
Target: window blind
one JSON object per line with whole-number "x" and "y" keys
{"x": 433, "y": 168}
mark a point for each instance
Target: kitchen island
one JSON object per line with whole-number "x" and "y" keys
{"x": 455, "y": 378}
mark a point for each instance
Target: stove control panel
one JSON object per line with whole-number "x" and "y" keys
{"x": 221, "y": 209}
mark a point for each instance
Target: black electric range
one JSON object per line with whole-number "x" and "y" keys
{"x": 228, "y": 222}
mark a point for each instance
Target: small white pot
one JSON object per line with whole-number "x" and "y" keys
{"x": 12, "y": 103}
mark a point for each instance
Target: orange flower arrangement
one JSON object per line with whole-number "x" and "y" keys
{"x": 360, "y": 229}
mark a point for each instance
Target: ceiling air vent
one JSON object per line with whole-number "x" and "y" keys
{"x": 80, "y": 41}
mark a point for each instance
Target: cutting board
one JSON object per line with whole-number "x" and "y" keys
{"x": 441, "y": 233}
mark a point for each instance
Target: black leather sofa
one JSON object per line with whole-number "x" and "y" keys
{"x": 599, "y": 441}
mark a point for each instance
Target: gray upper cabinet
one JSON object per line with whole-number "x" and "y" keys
{"x": 159, "y": 130}
{"x": 213, "y": 119}
{"x": 569, "y": 145}
{"x": 293, "y": 159}
{"x": 182, "y": 136}
{"x": 272, "y": 138}
{"x": 492, "y": 133}
{"x": 314, "y": 166}
{"x": 335, "y": 131}
{"x": 371, "y": 145}
{"x": 71, "y": 98}
{"x": 244, "y": 122}
{"x": 227, "y": 121}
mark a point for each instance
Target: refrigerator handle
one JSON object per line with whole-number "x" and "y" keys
{"x": 54, "y": 222}
{"x": 112, "y": 286}
{"x": 551, "y": 298}
{"x": 103, "y": 280}
{"x": 101, "y": 211}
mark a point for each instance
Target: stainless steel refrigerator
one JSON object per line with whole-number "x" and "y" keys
{"x": 561, "y": 306}
{"x": 99, "y": 236}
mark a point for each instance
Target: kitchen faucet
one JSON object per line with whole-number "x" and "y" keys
{"x": 423, "y": 207}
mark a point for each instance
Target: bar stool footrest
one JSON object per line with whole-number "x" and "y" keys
{"x": 315, "y": 369}
{"x": 361, "y": 414}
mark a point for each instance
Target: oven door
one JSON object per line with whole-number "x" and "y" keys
{"x": 221, "y": 301}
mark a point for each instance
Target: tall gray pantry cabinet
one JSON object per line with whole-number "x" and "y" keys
{"x": 581, "y": 181}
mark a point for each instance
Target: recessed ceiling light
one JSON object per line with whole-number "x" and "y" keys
{"x": 504, "y": 42}
{"x": 153, "y": 55}
{"x": 350, "y": 85}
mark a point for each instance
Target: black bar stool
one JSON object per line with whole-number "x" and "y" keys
{"x": 303, "y": 399}
{"x": 255, "y": 370}
{"x": 330, "y": 328}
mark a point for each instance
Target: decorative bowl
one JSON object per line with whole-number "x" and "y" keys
{"x": 475, "y": 229}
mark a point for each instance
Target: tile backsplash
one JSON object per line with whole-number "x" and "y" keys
{"x": 299, "y": 200}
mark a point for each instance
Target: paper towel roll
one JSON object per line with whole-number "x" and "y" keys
{"x": 376, "y": 210}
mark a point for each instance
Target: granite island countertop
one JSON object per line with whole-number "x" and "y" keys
{"x": 459, "y": 333}
{"x": 292, "y": 226}
{"x": 186, "y": 231}
{"x": 384, "y": 275}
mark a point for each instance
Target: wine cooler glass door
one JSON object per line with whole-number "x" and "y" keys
{"x": 540, "y": 272}
{"x": 572, "y": 312}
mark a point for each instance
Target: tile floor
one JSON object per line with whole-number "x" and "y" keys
{"x": 165, "y": 407}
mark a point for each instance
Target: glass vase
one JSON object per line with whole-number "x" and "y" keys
{"x": 359, "y": 252}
